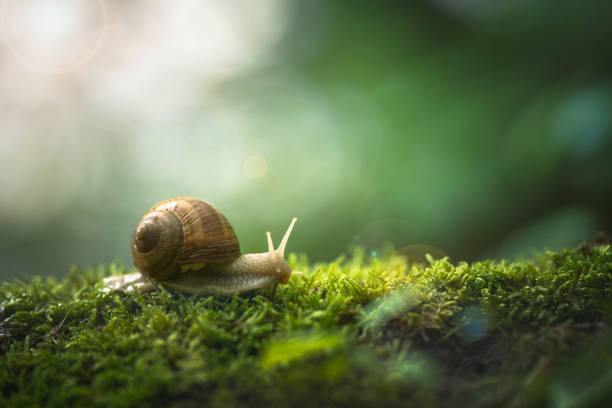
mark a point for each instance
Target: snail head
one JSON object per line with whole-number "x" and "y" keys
{"x": 280, "y": 252}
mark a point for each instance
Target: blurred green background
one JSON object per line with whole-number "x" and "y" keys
{"x": 483, "y": 128}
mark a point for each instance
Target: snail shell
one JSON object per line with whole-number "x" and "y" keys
{"x": 182, "y": 231}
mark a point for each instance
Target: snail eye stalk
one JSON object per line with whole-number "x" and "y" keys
{"x": 283, "y": 244}
{"x": 270, "y": 244}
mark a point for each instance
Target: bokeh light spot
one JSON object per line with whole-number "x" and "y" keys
{"x": 582, "y": 124}
{"x": 53, "y": 36}
{"x": 255, "y": 167}
{"x": 474, "y": 323}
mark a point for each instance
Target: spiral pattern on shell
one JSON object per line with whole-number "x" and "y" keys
{"x": 179, "y": 232}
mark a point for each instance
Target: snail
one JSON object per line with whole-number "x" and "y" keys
{"x": 187, "y": 245}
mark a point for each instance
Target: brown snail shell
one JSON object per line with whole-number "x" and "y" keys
{"x": 182, "y": 231}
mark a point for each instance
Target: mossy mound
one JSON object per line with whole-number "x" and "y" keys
{"x": 359, "y": 331}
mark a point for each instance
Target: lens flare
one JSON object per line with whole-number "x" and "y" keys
{"x": 53, "y": 36}
{"x": 255, "y": 167}
{"x": 473, "y": 322}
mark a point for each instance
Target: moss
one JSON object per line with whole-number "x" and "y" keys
{"x": 358, "y": 331}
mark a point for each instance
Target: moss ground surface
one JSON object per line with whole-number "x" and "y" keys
{"x": 354, "y": 332}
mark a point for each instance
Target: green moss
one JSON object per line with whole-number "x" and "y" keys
{"x": 354, "y": 332}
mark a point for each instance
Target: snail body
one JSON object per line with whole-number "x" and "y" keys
{"x": 187, "y": 245}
